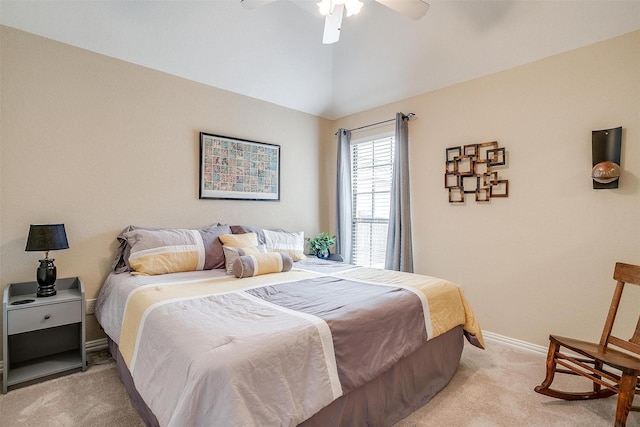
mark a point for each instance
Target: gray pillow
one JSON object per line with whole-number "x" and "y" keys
{"x": 214, "y": 255}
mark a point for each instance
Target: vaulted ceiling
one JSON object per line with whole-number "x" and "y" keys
{"x": 275, "y": 52}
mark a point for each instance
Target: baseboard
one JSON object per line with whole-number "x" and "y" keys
{"x": 95, "y": 345}
{"x": 102, "y": 344}
{"x": 522, "y": 345}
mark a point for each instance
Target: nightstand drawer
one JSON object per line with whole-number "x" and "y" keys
{"x": 44, "y": 316}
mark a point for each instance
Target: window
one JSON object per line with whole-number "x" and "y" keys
{"x": 371, "y": 169}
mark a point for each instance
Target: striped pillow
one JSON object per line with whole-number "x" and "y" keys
{"x": 255, "y": 265}
{"x": 165, "y": 251}
{"x": 213, "y": 257}
{"x": 231, "y": 253}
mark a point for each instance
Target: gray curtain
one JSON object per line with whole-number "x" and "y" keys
{"x": 343, "y": 196}
{"x": 399, "y": 255}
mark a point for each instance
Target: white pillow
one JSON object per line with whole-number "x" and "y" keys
{"x": 286, "y": 242}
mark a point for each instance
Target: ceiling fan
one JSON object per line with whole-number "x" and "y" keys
{"x": 334, "y": 10}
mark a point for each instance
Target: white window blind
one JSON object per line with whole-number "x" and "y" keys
{"x": 371, "y": 168}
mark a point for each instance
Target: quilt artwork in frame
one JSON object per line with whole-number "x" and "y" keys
{"x": 239, "y": 169}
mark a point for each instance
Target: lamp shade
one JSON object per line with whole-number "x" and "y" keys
{"x": 46, "y": 237}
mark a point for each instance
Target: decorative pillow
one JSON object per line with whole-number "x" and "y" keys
{"x": 231, "y": 254}
{"x": 246, "y": 240}
{"x": 213, "y": 253}
{"x": 165, "y": 251}
{"x": 286, "y": 242}
{"x": 214, "y": 256}
{"x": 243, "y": 229}
{"x": 254, "y": 265}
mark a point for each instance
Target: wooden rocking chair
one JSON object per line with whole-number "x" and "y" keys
{"x": 625, "y": 360}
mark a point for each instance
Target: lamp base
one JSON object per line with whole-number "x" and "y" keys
{"x": 46, "y": 291}
{"x": 46, "y": 276}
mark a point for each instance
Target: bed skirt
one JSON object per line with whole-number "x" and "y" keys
{"x": 395, "y": 394}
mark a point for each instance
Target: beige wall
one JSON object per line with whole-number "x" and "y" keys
{"x": 98, "y": 143}
{"x": 541, "y": 260}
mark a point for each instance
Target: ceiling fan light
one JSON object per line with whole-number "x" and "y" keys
{"x": 353, "y": 6}
{"x": 325, "y": 7}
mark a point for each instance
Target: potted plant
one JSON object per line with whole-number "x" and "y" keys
{"x": 320, "y": 245}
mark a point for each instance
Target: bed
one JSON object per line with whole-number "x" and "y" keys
{"x": 318, "y": 343}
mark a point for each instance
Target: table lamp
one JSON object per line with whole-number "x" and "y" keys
{"x": 46, "y": 237}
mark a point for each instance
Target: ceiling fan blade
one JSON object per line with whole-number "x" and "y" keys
{"x": 333, "y": 25}
{"x": 414, "y": 9}
{"x": 252, "y": 4}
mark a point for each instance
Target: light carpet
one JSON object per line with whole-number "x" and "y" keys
{"x": 491, "y": 388}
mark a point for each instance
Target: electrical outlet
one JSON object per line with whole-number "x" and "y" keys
{"x": 90, "y": 307}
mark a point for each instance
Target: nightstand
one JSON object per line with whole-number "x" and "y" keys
{"x": 42, "y": 336}
{"x": 332, "y": 257}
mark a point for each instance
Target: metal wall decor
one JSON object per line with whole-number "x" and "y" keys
{"x": 470, "y": 169}
{"x": 606, "y": 147}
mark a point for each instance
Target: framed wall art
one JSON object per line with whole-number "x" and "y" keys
{"x": 239, "y": 169}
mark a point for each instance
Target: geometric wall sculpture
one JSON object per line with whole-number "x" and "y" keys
{"x": 471, "y": 169}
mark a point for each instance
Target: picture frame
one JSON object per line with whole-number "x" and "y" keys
{"x": 452, "y": 153}
{"x": 497, "y": 157}
{"x": 500, "y": 188}
{"x": 451, "y": 180}
{"x": 456, "y": 195}
{"x": 238, "y": 169}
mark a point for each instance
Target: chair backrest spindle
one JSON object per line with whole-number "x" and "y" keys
{"x": 636, "y": 335}
{"x": 624, "y": 274}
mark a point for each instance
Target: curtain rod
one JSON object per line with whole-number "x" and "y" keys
{"x": 410, "y": 116}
